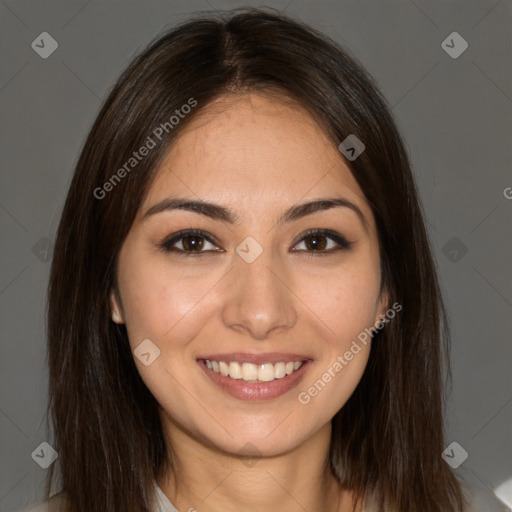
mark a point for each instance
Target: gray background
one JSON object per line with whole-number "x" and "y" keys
{"x": 455, "y": 115}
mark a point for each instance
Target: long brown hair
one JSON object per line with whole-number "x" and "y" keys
{"x": 387, "y": 439}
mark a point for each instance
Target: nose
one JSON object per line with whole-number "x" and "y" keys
{"x": 260, "y": 300}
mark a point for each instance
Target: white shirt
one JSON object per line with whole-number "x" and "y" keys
{"x": 163, "y": 503}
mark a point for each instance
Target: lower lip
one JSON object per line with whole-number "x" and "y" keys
{"x": 243, "y": 390}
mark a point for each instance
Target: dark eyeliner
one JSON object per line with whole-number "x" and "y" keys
{"x": 342, "y": 242}
{"x": 167, "y": 244}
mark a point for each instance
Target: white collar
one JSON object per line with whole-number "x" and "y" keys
{"x": 163, "y": 503}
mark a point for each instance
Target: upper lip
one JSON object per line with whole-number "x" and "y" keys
{"x": 243, "y": 357}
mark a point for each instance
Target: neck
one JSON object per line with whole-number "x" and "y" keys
{"x": 209, "y": 480}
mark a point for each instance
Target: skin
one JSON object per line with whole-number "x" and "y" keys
{"x": 258, "y": 156}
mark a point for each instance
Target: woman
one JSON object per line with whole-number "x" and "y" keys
{"x": 244, "y": 312}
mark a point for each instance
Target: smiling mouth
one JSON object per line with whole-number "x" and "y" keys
{"x": 255, "y": 377}
{"x": 254, "y": 373}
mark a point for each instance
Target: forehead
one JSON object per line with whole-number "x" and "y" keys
{"x": 252, "y": 149}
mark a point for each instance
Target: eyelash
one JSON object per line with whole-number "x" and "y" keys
{"x": 167, "y": 244}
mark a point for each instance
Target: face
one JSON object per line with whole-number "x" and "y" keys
{"x": 237, "y": 326}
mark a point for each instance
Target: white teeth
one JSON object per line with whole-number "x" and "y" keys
{"x": 251, "y": 372}
{"x": 279, "y": 370}
{"x": 266, "y": 372}
{"x": 224, "y": 368}
{"x": 235, "y": 371}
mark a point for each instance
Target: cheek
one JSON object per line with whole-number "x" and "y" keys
{"x": 159, "y": 299}
{"x": 345, "y": 302}
{"x": 330, "y": 389}
{"x": 169, "y": 306}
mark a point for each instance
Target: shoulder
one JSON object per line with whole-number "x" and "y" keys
{"x": 56, "y": 503}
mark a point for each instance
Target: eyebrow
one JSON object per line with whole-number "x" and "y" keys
{"x": 223, "y": 214}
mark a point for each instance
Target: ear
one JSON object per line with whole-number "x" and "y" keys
{"x": 115, "y": 307}
{"x": 382, "y": 306}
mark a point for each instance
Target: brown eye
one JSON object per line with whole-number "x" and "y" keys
{"x": 190, "y": 242}
{"x": 322, "y": 242}
{"x": 315, "y": 242}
